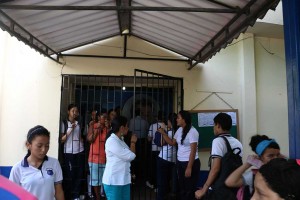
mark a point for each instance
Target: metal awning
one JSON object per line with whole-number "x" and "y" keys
{"x": 195, "y": 29}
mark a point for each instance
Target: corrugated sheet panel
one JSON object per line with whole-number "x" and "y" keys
{"x": 65, "y": 29}
{"x": 195, "y": 35}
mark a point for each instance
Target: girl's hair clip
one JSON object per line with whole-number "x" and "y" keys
{"x": 298, "y": 161}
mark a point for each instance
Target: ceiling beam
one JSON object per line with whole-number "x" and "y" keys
{"x": 121, "y": 57}
{"x": 119, "y": 8}
{"x": 123, "y": 16}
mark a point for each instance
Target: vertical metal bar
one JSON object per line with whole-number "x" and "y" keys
{"x": 125, "y": 46}
{"x": 292, "y": 48}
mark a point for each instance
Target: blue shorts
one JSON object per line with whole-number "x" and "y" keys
{"x": 117, "y": 192}
{"x": 96, "y": 173}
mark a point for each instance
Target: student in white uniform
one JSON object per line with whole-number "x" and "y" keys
{"x": 74, "y": 156}
{"x": 222, "y": 126}
{"x": 37, "y": 173}
{"x": 166, "y": 169}
{"x": 188, "y": 163}
{"x": 117, "y": 177}
{"x": 152, "y": 162}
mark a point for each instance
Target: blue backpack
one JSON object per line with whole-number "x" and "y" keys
{"x": 158, "y": 139}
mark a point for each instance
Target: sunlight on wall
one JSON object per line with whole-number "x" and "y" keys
{"x": 30, "y": 88}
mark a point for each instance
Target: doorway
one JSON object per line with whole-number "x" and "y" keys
{"x": 149, "y": 92}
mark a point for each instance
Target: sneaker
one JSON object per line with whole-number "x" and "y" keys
{"x": 149, "y": 185}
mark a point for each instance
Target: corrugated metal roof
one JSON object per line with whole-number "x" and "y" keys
{"x": 196, "y": 29}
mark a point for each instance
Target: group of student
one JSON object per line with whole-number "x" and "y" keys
{"x": 110, "y": 157}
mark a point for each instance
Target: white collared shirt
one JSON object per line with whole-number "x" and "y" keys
{"x": 39, "y": 182}
{"x": 73, "y": 144}
{"x": 118, "y": 158}
{"x": 184, "y": 149}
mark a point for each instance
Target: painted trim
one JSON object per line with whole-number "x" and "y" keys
{"x": 291, "y": 20}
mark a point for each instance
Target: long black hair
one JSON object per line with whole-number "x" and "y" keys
{"x": 188, "y": 121}
{"x": 172, "y": 118}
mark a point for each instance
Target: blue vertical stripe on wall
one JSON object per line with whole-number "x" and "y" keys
{"x": 291, "y": 20}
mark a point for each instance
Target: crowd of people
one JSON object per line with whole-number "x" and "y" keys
{"x": 107, "y": 153}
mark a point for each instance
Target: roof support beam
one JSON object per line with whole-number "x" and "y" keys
{"x": 125, "y": 46}
{"x": 123, "y": 16}
{"x": 22, "y": 34}
{"x": 121, "y": 57}
{"x": 119, "y": 8}
{"x": 227, "y": 33}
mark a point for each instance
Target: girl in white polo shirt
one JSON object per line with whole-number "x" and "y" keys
{"x": 74, "y": 157}
{"x": 37, "y": 173}
{"x": 188, "y": 163}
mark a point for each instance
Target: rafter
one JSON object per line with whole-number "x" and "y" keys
{"x": 119, "y": 8}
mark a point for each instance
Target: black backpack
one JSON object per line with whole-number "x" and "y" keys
{"x": 229, "y": 162}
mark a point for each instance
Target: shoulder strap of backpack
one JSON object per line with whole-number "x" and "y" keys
{"x": 227, "y": 144}
{"x": 65, "y": 122}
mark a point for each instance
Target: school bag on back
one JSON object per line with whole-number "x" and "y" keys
{"x": 229, "y": 162}
{"x": 158, "y": 139}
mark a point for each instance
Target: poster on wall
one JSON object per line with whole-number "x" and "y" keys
{"x": 207, "y": 119}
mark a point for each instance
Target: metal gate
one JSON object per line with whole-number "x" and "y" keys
{"x": 150, "y": 93}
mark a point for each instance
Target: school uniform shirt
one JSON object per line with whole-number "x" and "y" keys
{"x": 219, "y": 148}
{"x": 151, "y": 133}
{"x": 168, "y": 152}
{"x": 73, "y": 144}
{"x": 248, "y": 178}
{"x": 39, "y": 182}
{"x": 184, "y": 150}
{"x": 118, "y": 158}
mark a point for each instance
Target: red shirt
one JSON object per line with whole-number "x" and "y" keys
{"x": 97, "y": 148}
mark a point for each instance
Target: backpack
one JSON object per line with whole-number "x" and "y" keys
{"x": 158, "y": 139}
{"x": 229, "y": 162}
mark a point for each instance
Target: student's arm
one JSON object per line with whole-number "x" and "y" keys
{"x": 168, "y": 140}
{"x": 188, "y": 171}
{"x": 69, "y": 131}
{"x": 235, "y": 179}
{"x": 59, "y": 193}
{"x": 213, "y": 173}
{"x": 133, "y": 142}
{"x": 92, "y": 134}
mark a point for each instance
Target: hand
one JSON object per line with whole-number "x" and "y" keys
{"x": 97, "y": 125}
{"x": 133, "y": 138}
{"x": 161, "y": 131}
{"x": 91, "y": 123}
{"x": 254, "y": 161}
{"x": 74, "y": 125}
{"x": 199, "y": 193}
{"x": 188, "y": 172}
